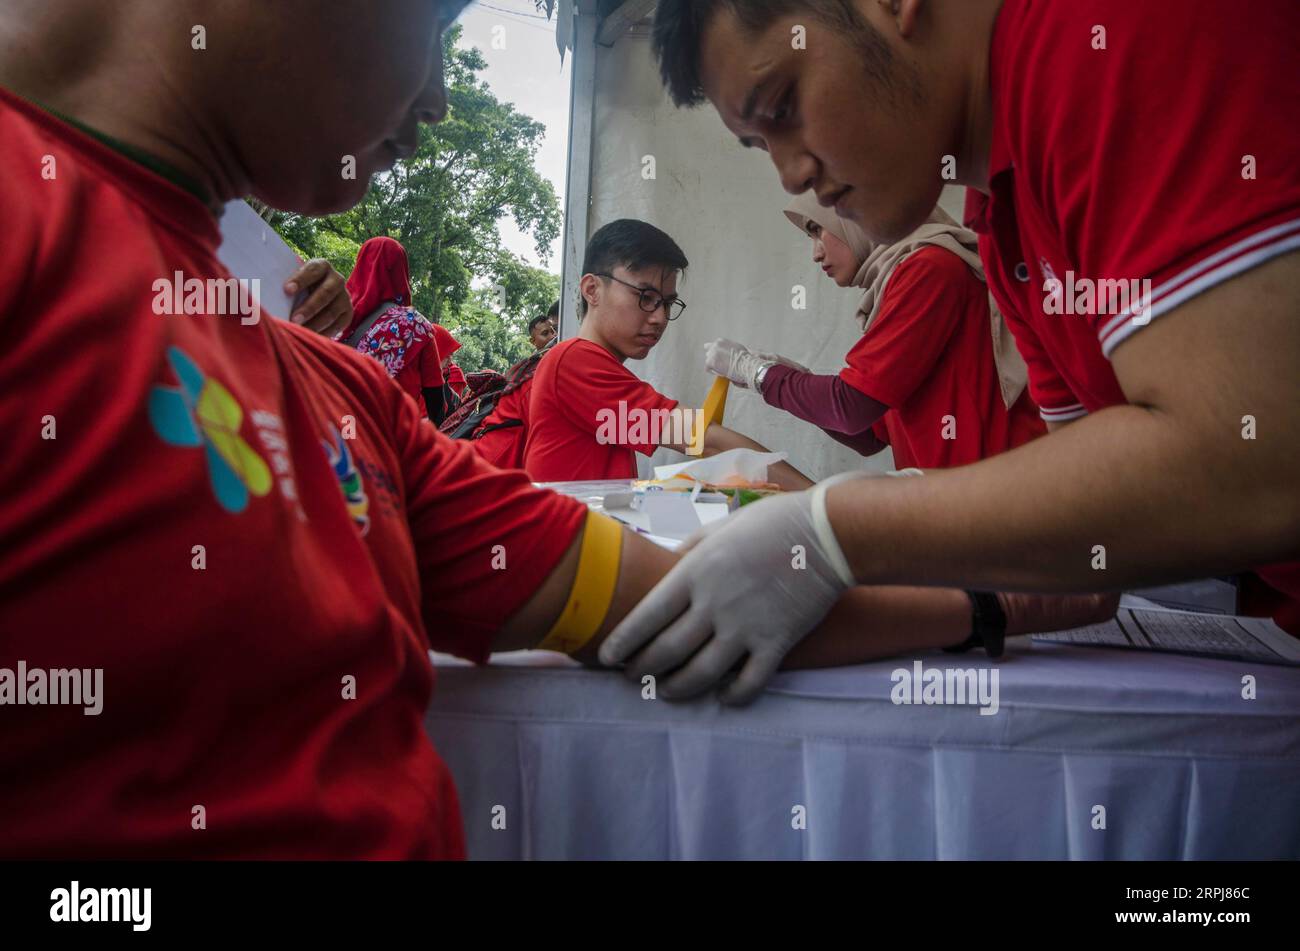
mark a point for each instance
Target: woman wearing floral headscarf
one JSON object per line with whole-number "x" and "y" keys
{"x": 936, "y": 374}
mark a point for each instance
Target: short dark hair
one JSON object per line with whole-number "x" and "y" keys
{"x": 680, "y": 24}
{"x": 539, "y": 319}
{"x": 554, "y": 311}
{"x": 632, "y": 244}
{"x": 450, "y": 9}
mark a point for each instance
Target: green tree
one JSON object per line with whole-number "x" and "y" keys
{"x": 444, "y": 204}
{"x": 493, "y": 338}
{"x": 489, "y": 340}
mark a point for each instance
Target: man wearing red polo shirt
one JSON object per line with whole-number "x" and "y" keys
{"x": 1136, "y": 179}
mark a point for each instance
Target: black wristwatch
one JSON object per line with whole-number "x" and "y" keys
{"x": 988, "y": 625}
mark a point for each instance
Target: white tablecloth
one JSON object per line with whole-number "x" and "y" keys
{"x": 575, "y": 764}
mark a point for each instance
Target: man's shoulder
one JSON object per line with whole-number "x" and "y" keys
{"x": 574, "y": 355}
{"x": 331, "y": 357}
{"x": 561, "y": 351}
{"x": 579, "y": 355}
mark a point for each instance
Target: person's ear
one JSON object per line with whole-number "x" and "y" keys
{"x": 903, "y": 12}
{"x": 590, "y": 288}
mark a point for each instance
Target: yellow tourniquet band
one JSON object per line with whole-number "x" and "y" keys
{"x": 715, "y": 404}
{"x": 593, "y": 587}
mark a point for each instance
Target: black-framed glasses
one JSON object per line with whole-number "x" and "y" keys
{"x": 651, "y": 300}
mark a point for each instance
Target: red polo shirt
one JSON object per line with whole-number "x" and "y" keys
{"x": 248, "y": 528}
{"x": 929, "y": 357}
{"x": 589, "y": 415}
{"x": 1169, "y": 156}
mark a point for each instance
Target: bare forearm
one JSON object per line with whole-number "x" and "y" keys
{"x": 720, "y": 439}
{"x": 641, "y": 565}
{"x": 1126, "y": 488}
{"x": 871, "y": 622}
{"x": 866, "y": 623}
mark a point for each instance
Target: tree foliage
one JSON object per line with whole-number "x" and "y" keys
{"x": 444, "y": 204}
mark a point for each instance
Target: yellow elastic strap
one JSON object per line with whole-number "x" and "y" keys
{"x": 715, "y": 404}
{"x": 593, "y": 587}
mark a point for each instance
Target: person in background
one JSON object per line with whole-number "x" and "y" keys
{"x": 448, "y": 397}
{"x": 541, "y": 330}
{"x": 590, "y": 415}
{"x": 936, "y": 363}
{"x": 387, "y": 328}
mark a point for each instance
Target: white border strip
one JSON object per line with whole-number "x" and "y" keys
{"x": 1171, "y": 295}
{"x": 1062, "y": 414}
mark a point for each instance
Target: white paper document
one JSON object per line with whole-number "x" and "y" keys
{"x": 1140, "y": 626}
{"x": 253, "y": 252}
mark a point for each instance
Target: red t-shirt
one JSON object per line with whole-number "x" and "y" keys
{"x": 504, "y": 447}
{"x": 197, "y": 529}
{"x": 589, "y": 414}
{"x": 1171, "y": 160}
{"x": 929, "y": 357}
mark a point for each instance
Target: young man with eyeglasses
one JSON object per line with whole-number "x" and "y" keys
{"x": 590, "y": 414}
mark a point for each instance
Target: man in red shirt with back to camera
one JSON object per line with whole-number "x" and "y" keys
{"x": 501, "y": 437}
{"x": 589, "y": 414}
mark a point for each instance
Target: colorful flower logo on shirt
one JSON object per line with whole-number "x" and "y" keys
{"x": 201, "y": 412}
{"x": 354, "y": 493}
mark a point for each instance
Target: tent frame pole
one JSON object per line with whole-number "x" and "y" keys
{"x": 577, "y": 196}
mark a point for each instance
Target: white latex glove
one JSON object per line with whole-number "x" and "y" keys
{"x": 742, "y": 594}
{"x": 733, "y": 360}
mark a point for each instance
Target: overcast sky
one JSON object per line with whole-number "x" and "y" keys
{"x": 528, "y": 74}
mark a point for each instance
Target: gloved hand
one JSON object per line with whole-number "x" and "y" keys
{"x": 748, "y": 589}
{"x": 734, "y": 361}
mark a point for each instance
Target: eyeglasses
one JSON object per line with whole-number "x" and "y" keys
{"x": 651, "y": 300}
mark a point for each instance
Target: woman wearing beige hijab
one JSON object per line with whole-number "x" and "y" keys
{"x": 936, "y": 374}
